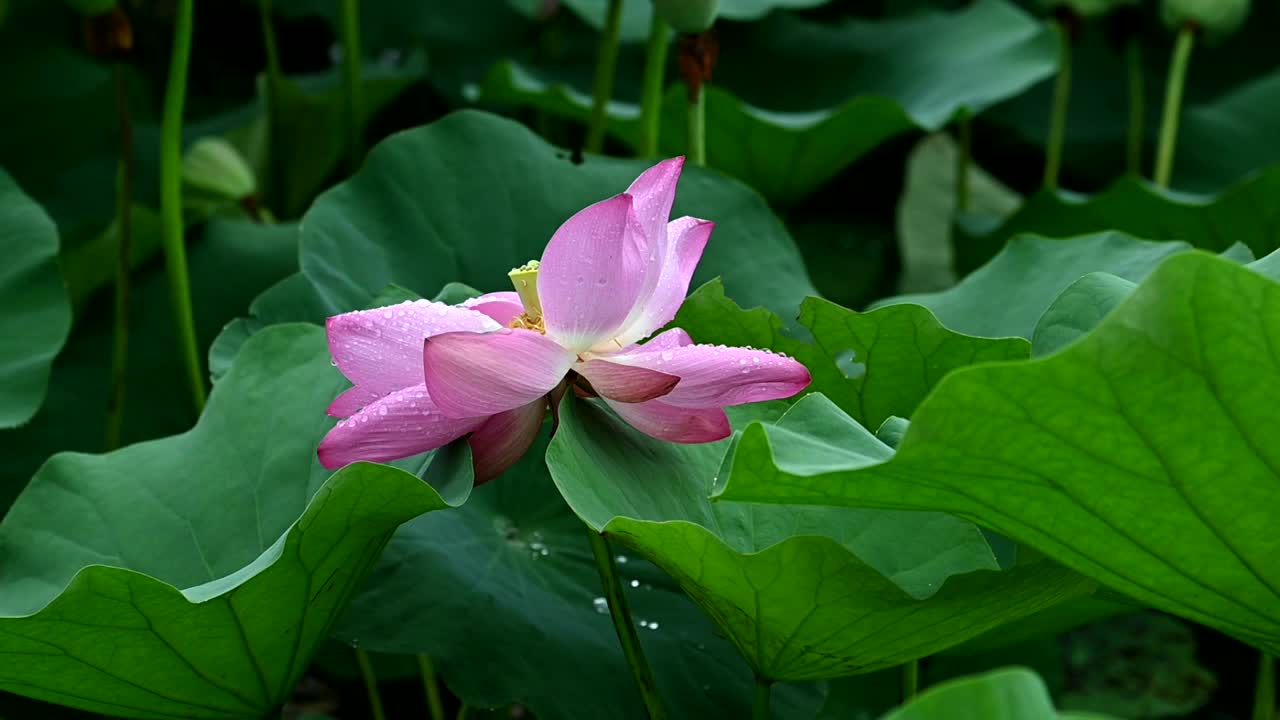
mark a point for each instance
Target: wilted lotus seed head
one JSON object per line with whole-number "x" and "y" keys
{"x": 688, "y": 16}
{"x": 1216, "y": 18}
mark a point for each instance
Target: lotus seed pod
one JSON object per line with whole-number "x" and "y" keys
{"x": 688, "y": 16}
{"x": 1217, "y": 18}
{"x": 91, "y": 7}
{"x": 1089, "y": 8}
{"x": 214, "y": 165}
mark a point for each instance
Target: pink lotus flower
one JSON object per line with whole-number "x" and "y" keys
{"x": 426, "y": 373}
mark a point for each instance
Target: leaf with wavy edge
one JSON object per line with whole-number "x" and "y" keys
{"x": 803, "y": 593}
{"x": 1137, "y": 455}
{"x": 911, "y": 73}
{"x": 873, "y": 364}
{"x": 1245, "y": 213}
{"x": 1006, "y": 694}
{"x": 150, "y": 582}
{"x": 36, "y": 315}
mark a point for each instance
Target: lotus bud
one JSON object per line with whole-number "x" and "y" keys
{"x": 1217, "y": 18}
{"x": 214, "y": 165}
{"x": 688, "y": 16}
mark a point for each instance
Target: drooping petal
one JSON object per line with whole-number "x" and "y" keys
{"x": 380, "y": 350}
{"x": 687, "y": 237}
{"x": 625, "y": 383}
{"x": 350, "y": 401}
{"x": 592, "y": 272}
{"x": 654, "y": 192}
{"x": 473, "y": 374}
{"x": 716, "y": 376}
{"x": 404, "y": 423}
{"x": 504, "y": 438}
{"x": 503, "y": 307}
{"x": 674, "y": 424}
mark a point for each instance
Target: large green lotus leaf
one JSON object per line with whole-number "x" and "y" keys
{"x": 1010, "y": 694}
{"x": 1245, "y": 213}
{"x": 1138, "y": 455}
{"x": 231, "y": 262}
{"x": 802, "y": 593}
{"x": 926, "y": 213}
{"x": 526, "y": 621}
{"x": 36, "y": 315}
{"x": 826, "y": 93}
{"x": 873, "y": 365}
{"x": 194, "y": 576}
{"x": 473, "y": 195}
{"x": 1005, "y": 297}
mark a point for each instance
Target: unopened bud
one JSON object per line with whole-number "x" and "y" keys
{"x": 214, "y": 165}
{"x": 688, "y": 16}
{"x": 1216, "y": 18}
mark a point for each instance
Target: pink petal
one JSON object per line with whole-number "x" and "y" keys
{"x": 380, "y": 350}
{"x": 503, "y": 307}
{"x": 674, "y": 424}
{"x": 350, "y": 401}
{"x": 654, "y": 192}
{"x": 401, "y": 424}
{"x": 472, "y": 374}
{"x": 715, "y": 376}
{"x": 625, "y": 383}
{"x": 592, "y": 272}
{"x": 504, "y": 438}
{"x": 673, "y": 338}
{"x": 687, "y": 238}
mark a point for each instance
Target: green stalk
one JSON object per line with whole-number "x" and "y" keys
{"x": 698, "y": 127}
{"x": 1173, "y": 104}
{"x": 655, "y": 70}
{"x": 1058, "y": 118}
{"x": 1264, "y": 694}
{"x": 760, "y": 706}
{"x": 370, "y": 685}
{"x": 432, "y": 686}
{"x": 1137, "y": 107}
{"x": 606, "y": 67}
{"x": 910, "y": 680}
{"x": 124, "y": 245}
{"x": 351, "y": 89}
{"x": 625, "y": 627}
{"x": 175, "y": 249}
{"x": 463, "y": 712}
{"x": 964, "y": 153}
{"x": 274, "y": 79}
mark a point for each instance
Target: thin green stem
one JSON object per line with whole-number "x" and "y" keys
{"x": 698, "y": 127}
{"x": 351, "y": 88}
{"x": 370, "y": 685}
{"x": 124, "y": 249}
{"x": 655, "y": 70}
{"x": 1264, "y": 693}
{"x": 1058, "y": 116}
{"x": 910, "y": 680}
{"x": 760, "y": 704}
{"x": 606, "y": 67}
{"x": 463, "y": 712}
{"x": 274, "y": 79}
{"x": 175, "y": 249}
{"x": 625, "y": 626}
{"x": 1173, "y": 104}
{"x": 964, "y": 153}
{"x": 432, "y": 686}
{"x": 1137, "y": 107}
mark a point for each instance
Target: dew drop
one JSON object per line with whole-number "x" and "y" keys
{"x": 601, "y": 605}
{"x": 755, "y": 360}
{"x": 846, "y": 361}
{"x": 622, "y": 559}
{"x": 667, "y": 355}
{"x": 635, "y": 583}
